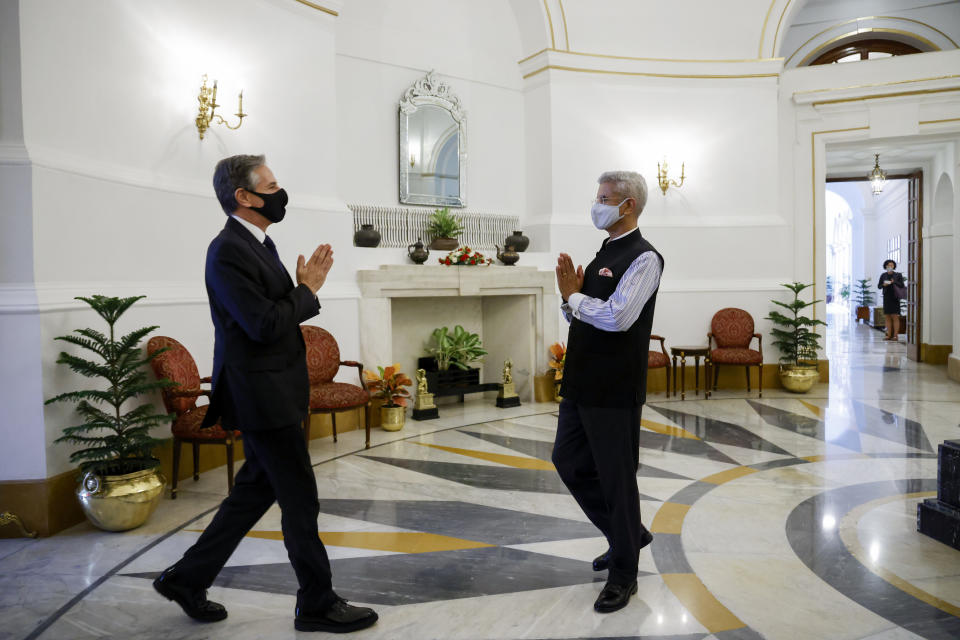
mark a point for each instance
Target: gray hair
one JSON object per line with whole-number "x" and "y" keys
{"x": 628, "y": 184}
{"x": 236, "y": 172}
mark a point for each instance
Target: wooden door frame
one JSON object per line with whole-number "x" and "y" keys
{"x": 914, "y": 351}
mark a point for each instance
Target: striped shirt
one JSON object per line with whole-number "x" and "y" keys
{"x": 622, "y": 309}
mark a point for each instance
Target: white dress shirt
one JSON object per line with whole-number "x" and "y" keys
{"x": 257, "y": 232}
{"x": 622, "y": 309}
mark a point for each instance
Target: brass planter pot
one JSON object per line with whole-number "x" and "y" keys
{"x": 798, "y": 378}
{"x": 392, "y": 418}
{"x": 119, "y": 503}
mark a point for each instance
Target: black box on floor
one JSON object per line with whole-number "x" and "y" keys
{"x": 948, "y": 473}
{"x": 939, "y": 521}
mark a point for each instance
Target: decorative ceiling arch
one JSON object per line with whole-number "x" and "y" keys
{"x": 783, "y": 14}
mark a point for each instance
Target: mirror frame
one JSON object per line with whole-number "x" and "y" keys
{"x": 431, "y": 91}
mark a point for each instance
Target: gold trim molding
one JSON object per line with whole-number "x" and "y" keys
{"x": 878, "y": 84}
{"x": 640, "y": 59}
{"x": 896, "y": 94}
{"x": 763, "y": 31}
{"x": 563, "y": 17}
{"x": 314, "y": 5}
{"x": 553, "y": 40}
{"x": 645, "y": 74}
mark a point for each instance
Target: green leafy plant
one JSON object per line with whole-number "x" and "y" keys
{"x": 458, "y": 348}
{"x": 864, "y": 293}
{"x": 390, "y": 385}
{"x": 444, "y": 224}
{"x": 845, "y": 291}
{"x": 795, "y": 334}
{"x": 114, "y": 441}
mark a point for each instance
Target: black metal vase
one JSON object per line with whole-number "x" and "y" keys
{"x": 366, "y": 236}
{"x": 518, "y": 241}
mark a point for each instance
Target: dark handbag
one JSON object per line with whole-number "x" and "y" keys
{"x": 899, "y": 290}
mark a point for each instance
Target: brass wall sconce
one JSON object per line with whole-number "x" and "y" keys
{"x": 208, "y": 106}
{"x": 664, "y": 180}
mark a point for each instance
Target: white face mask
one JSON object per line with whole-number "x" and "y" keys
{"x": 606, "y": 215}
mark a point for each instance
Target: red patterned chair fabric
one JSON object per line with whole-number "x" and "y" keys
{"x": 178, "y": 365}
{"x": 733, "y": 330}
{"x": 326, "y": 396}
{"x": 660, "y": 360}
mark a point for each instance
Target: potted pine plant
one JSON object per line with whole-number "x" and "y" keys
{"x": 796, "y": 337}
{"x": 120, "y": 480}
{"x": 444, "y": 228}
{"x": 390, "y": 385}
{"x": 864, "y": 297}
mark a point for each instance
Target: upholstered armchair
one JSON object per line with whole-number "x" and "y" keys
{"x": 660, "y": 360}
{"x": 733, "y": 331}
{"x": 178, "y": 365}
{"x": 327, "y": 396}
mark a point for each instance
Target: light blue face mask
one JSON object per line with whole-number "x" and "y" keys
{"x": 606, "y": 215}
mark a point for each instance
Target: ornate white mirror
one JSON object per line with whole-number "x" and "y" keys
{"x": 433, "y": 145}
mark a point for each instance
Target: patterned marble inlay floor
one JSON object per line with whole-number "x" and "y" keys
{"x": 781, "y": 517}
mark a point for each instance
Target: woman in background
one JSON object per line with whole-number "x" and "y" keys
{"x": 892, "y": 285}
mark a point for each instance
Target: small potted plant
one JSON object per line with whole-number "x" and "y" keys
{"x": 845, "y": 292}
{"x": 390, "y": 385}
{"x": 120, "y": 481}
{"x": 452, "y": 352}
{"x": 444, "y": 228}
{"x": 864, "y": 296}
{"x": 797, "y": 340}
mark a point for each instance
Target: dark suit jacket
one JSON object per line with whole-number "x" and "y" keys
{"x": 260, "y": 378}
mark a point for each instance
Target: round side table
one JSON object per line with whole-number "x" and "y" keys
{"x": 695, "y": 352}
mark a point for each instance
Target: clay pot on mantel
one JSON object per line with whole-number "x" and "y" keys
{"x": 366, "y": 236}
{"x": 417, "y": 253}
{"x": 444, "y": 244}
{"x": 519, "y": 241}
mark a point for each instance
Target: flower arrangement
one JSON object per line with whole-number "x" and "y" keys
{"x": 390, "y": 385}
{"x": 465, "y": 256}
{"x": 558, "y": 356}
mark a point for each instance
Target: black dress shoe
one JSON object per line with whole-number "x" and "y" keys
{"x": 602, "y": 562}
{"x": 614, "y": 597}
{"x": 339, "y": 618}
{"x": 193, "y": 601}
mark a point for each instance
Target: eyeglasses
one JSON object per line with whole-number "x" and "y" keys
{"x": 606, "y": 200}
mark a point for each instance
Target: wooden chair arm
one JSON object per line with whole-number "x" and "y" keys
{"x": 188, "y": 393}
{"x": 359, "y": 366}
{"x": 759, "y": 337}
{"x": 663, "y": 344}
{"x": 709, "y": 341}
{"x": 206, "y": 380}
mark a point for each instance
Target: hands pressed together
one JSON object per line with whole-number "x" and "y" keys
{"x": 313, "y": 272}
{"x": 569, "y": 278}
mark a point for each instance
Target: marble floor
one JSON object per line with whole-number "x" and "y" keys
{"x": 782, "y": 517}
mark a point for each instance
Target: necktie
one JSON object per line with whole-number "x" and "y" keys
{"x": 272, "y": 248}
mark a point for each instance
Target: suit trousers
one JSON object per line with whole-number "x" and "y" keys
{"x": 277, "y": 468}
{"x": 597, "y": 454}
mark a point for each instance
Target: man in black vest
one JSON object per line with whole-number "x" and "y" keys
{"x": 610, "y": 309}
{"x": 261, "y": 387}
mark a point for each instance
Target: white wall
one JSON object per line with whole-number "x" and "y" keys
{"x": 108, "y": 185}
{"x": 120, "y": 195}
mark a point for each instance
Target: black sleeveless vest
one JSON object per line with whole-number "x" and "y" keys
{"x": 609, "y": 368}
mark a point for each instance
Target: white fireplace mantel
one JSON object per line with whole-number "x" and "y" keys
{"x": 519, "y": 314}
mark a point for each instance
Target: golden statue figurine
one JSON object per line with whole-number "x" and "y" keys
{"x": 423, "y": 408}
{"x": 421, "y": 381}
{"x": 507, "y": 397}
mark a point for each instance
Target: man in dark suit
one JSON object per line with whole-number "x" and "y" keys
{"x": 261, "y": 387}
{"x": 610, "y": 308}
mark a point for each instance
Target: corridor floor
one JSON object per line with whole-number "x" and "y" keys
{"x": 782, "y": 517}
